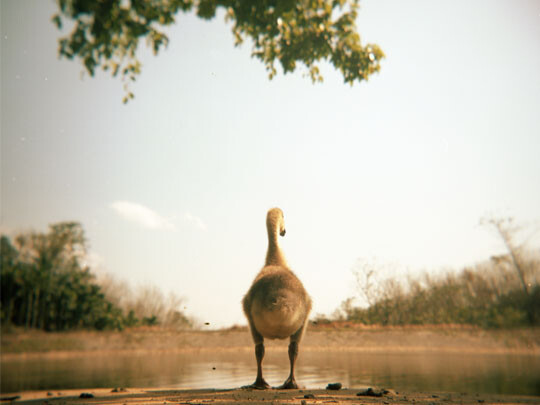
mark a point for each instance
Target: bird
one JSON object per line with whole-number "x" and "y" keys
{"x": 276, "y": 305}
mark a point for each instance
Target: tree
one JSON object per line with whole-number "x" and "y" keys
{"x": 8, "y": 276}
{"x": 501, "y": 292}
{"x": 106, "y": 33}
{"x": 367, "y": 285}
{"x": 45, "y": 286}
{"x": 506, "y": 230}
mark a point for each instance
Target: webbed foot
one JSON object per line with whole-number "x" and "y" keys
{"x": 258, "y": 385}
{"x": 289, "y": 384}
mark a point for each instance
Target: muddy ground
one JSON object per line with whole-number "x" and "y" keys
{"x": 267, "y": 397}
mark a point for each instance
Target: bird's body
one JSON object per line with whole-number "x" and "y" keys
{"x": 277, "y": 305}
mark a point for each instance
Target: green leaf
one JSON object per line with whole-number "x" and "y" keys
{"x": 57, "y": 21}
{"x": 291, "y": 32}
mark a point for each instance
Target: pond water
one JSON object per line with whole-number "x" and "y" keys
{"x": 497, "y": 373}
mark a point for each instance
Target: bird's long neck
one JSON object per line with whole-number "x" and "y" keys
{"x": 274, "y": 255}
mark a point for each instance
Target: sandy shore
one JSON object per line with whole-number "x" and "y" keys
{"x": 242, "y": 396}
{"x": 318, "y": 338}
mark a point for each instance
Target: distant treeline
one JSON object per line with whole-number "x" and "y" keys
{"x": 477, "y": 296}
{"x": 503, "y": 292}
{"x": 46, "y": 285}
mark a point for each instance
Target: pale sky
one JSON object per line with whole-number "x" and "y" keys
{"x": 173, "y": 188}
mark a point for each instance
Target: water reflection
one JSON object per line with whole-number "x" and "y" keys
{"x": 505, "y": 374}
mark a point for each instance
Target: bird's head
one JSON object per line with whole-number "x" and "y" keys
{"x": 275, "y": 221}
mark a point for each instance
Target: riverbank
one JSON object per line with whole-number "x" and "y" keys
{"x": 335, "y": 337}
{"x": 241, "y": 396}
{"x": 349, "y": 350}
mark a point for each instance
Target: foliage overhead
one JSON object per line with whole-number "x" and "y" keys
{"x": 106, "y": 33}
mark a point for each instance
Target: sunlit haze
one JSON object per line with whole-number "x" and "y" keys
{"x": 172, "y": 189}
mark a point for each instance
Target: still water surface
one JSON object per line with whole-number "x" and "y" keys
{"x": 498, "y": 373}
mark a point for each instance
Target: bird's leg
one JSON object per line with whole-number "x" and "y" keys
{"x": 259, "y": 382}
{"x": 259, "y": 354}
{"x": 290, "y": 382}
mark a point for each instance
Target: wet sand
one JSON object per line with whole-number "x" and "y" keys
{"x": 243, "y": 396}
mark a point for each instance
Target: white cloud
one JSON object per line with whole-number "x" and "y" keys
{"x": 195, "y": 221}
{"x": 142, "y": 215}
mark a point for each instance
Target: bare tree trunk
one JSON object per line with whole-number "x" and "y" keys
{"x": 507, "y": 239}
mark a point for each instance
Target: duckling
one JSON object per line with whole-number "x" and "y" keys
{"x": 276, "y": 305}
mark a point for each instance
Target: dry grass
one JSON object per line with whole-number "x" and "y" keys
{"x": 335, "y": 336}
